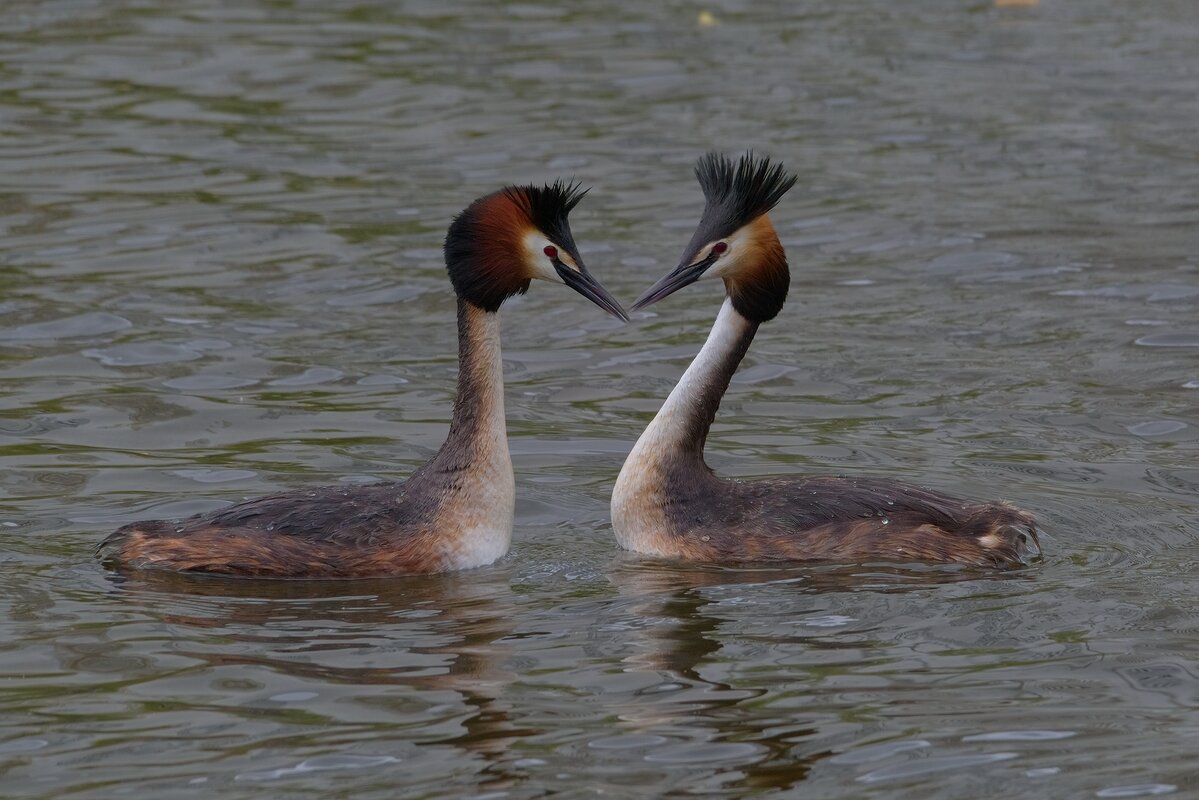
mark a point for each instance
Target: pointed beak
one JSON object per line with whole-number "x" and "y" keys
{"x": 581, "y": 281}
{"x": 682, "y": 275}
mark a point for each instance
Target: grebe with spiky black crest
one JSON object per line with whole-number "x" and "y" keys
{"x": 456, "y": 511}
{"x": 668, "y": 502}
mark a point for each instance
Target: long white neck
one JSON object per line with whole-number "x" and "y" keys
{"x": 673, "y": 444}
{"x": 681, "y": 425}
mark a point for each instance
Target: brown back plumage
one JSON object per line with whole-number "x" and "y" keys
{"x": 840, "y": 519}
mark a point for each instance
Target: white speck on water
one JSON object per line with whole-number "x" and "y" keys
{"x": 886, "y": 521}
{"x": 381, "y": 380}
{"x": 524, "y": 763}
{"x": 1137, "y": 790}
{"x": 318, "y": 764}
{"x": 22, "y": 745}
{"x": 8, "y": 524}
{"x": 1042, "y": 772}
{"x": 856, "y": 282}
{"x": 1156, "y": 428}
{"x": 310, "y": 377}
{"x": 1191, "y": 384}
{"x": 141, "y": 353}
{"x": 195, "y": 781}
{"x": 1170, "y": 340}
{"x": 1018, "y": 736}
{"x": 664, "y": 688}
{"x": 214, "y": 475}
{"x": 826, "y": 621}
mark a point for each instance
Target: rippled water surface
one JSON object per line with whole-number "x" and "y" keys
{"x": 221, "y": 276}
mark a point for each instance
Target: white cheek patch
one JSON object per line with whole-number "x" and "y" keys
{"x": 539, "y": 264}
{"x": 727, "y": 264}
{"x": 730, "y": 260}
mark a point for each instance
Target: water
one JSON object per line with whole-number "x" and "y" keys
{"x": 221, "y": 277}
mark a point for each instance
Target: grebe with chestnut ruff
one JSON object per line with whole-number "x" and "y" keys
{"x": 668, "y": 502}
{"x": 456, "y": 511}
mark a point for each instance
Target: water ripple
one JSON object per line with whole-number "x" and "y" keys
{"x": 931, "y": 765}
{"x": 318, "y": 764}
{"x": 91, "y": 324}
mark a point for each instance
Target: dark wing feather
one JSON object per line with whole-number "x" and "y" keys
{"x": 316, "y": 533}
{"x": 810, "y": 502}
{"x": 309, "y": 531}
{"x": 327, "y": 513}
{"x": 859, "y": 518}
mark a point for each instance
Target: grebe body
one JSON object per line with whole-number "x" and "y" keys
{"x": 456, "y": 511}
{"x": 667, "y": 501}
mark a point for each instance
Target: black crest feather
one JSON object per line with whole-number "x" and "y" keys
{"x": 738, "y": 192}
{"x": 549, "y": 206}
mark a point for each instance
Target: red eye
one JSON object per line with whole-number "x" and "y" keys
{"x": 550, "y": 251}
{"x": 720, "y": 247}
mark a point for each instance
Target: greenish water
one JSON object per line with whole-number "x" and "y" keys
{"x": 221, "y": 276}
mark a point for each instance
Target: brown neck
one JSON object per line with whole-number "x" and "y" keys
{"x": 477, "y": 430}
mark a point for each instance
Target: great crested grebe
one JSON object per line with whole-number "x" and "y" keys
{"x": 455, "y": 512}
{"x": 668, "y": 502}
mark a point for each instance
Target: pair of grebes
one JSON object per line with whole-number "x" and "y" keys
{"x": 456, "y": 511}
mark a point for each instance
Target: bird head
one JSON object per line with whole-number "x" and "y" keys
{"x": 509, "y": 238}
{"x": 734, "y": 240}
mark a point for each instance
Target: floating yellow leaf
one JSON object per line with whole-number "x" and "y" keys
{"x": 706, "y": 19}
{"x": 1016, "y": 3}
